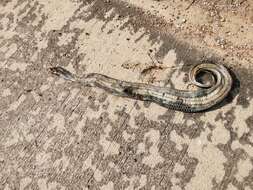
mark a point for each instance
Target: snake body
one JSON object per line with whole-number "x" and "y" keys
{"x": 205, "y": 97}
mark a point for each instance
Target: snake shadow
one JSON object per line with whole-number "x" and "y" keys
{"x": 231, "y": 95}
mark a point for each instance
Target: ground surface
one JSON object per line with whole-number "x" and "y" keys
{"x": 54, "y": 135}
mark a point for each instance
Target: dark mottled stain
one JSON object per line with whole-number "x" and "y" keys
{"x": 4, "y": 2}
{"x": 231, "y": 165}
{"x": 246, "y": 92}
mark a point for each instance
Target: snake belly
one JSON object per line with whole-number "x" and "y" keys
{"x": 205, "y": 97}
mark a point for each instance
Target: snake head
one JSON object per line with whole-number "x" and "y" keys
{"x": 61, "y": 72}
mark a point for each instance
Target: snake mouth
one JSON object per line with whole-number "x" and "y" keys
{"x": 59, "y": 71}
{"x": 53, "y": 70}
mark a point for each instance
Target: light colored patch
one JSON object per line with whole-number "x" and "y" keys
{"x": 132, "y": 180}
{"x": 244, "y": 167}
{"x": 170, "y": 58}
{"x": 109, "y": 147}
{"x": 73, "y": 116}
{"x": 98, "y": 175}
{"x": 63, "y": 162}
{"x": 60, "y": 81}
{"x": 73, "y": 94}
{"x": 24, "y": 182}
{"x": 43, "y": 159}
{"x": 175, "y": 187}
{"x": 112, "y": 147}
{"x": 208, "y": 167}
{"x": 169, "y": 65}
{"x": 177, "y": 79}
{"x": 140, "y": 148}
{"x": 143, "y": 181}
{"x": 36, "y": 111}
{"x": 34, "y": 56}
{"x": 58, "y": 123}
{"x": 18, "y": 66}
{"x": 14, "y": 138}
{"x": 58, "y": 13}
{"x": 65, "y": 39}
{"x": 116, "y": 167}
{"x": 4, "y": 22}
{"x": 3, "y": 63}
{"x": 78, "y": 128}
{"x": 71, "y": 68}
{"x": 62, "y": 95}
{"x": 26, "y": 130}
{"x": 231, "y": 187}
{"x": 47, "y": 144}
{"x": 179, "y": 141}
{"x": 154, "y": 157}
{"x": 44, "y": 87}
{"x": 35, "y": 96}
{"x": 7, "y": 187}
{"x": 11, "y": 50}
{"x": 108, "y": 186}
{"x": 41, "y": 41}
{"x": 6, "y": 92}
{"x": 17, "y": 103}
{"x": 190, "y": 122}
{"x": 220, "y": 134}
{"x": 109, "y": 13}
{"x": 178, "y": 168}
{"x": 44, "y": 184}
{"x": 128, "y": 137}
{"x": 175, "y": 181}
{"x": 178, "y": 118}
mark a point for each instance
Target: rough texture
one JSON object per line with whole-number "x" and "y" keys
{"x": 57, "y": 136}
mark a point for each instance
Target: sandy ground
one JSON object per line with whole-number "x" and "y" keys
{"x": 56, "y": 135}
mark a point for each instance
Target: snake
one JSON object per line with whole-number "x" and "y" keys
{"x": 205, "y": 96}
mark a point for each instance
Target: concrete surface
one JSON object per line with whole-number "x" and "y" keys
{"x": 55, "y": 135}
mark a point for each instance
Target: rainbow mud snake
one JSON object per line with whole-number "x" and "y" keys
{"x": 204, "y": 97}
